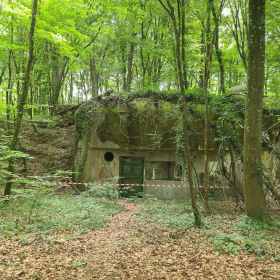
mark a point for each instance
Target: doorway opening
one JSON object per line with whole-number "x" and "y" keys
{"x": 131, "y": 172}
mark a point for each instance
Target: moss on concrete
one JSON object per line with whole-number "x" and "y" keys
{"x": 152, "y": 120}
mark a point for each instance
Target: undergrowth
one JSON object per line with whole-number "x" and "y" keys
{"x": 223, "y": 233}
{"x": 49, "y": 213}
{"x": 174, "y": 215}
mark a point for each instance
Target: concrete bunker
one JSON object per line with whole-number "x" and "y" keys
{"x": 140, "y": 143}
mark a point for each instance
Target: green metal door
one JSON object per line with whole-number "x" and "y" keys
{"x": 131, "y": 172}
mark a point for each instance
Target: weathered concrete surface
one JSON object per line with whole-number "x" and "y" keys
{"x": 148, "y": 135}
{"x": 98, "y": 170}
{"x": 166, "y": 192}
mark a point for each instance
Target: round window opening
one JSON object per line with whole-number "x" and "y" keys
{"x": 108, "y": 156}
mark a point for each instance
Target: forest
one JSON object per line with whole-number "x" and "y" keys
{"x": 215, "y": 61}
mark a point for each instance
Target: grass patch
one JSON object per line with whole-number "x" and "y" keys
{"x": 174, "y": 215}
{"x": 241, "y": 233}
{"x": 49, "y": 213}
{"x": 223, "y": 233}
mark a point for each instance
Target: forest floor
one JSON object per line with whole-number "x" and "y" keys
{"x": 131, "y": 248}
{"x": 131, "y": 240}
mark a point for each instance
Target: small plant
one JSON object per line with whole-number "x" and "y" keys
{"x": 80, "y": 263}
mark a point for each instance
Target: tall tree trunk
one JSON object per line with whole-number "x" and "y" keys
{"x": 205, "y": 87}
{"x": 71, "y": 88}
{"x": 93, "y": 77}
{"x": 23, "y": 97}
{"x": 129, "y": 68}
{"x": 233, "y": 173}
{"x": 170, "y": 11}
{"x": 254, "y": 194}
{"x": 208, "y": 60}
{"x": 144, "y": 64}
{"x": 202, "y": 50}
{"x": 217, "y": 48}
{"x": 123, "y": 57}
{"x": 31, "y": 101}
{"x": 9, "y": 92}
{"x": 2, "y": 74}
{"x": 55, "y": 78}
{"x": 58, "y": 77}
{"x": 184, "y": 44}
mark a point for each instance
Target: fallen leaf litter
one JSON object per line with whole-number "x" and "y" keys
{"x": 124, "y": 250}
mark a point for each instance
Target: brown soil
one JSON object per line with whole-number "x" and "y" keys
{"x": 52, "y": 149}
{"x": 128, "y": 250}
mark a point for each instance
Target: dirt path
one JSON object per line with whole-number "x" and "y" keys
{"x": 109, "y": 246}
{"x": 127, "y": 250}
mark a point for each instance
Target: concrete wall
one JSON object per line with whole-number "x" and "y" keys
{"x": 111, "y": 135}
{"x": 166, "y": 192}
{"x": 98, "y": 170}
{"x": 146, "y": 131}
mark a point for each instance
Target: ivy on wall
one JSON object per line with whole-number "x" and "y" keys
{"x": 226, "y": 120}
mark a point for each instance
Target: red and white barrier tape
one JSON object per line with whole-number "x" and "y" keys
{"x": 144, "y": 185}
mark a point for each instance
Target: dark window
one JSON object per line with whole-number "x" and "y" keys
{"x": 109, "y": 156}
{"x": 159, "y": 170}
